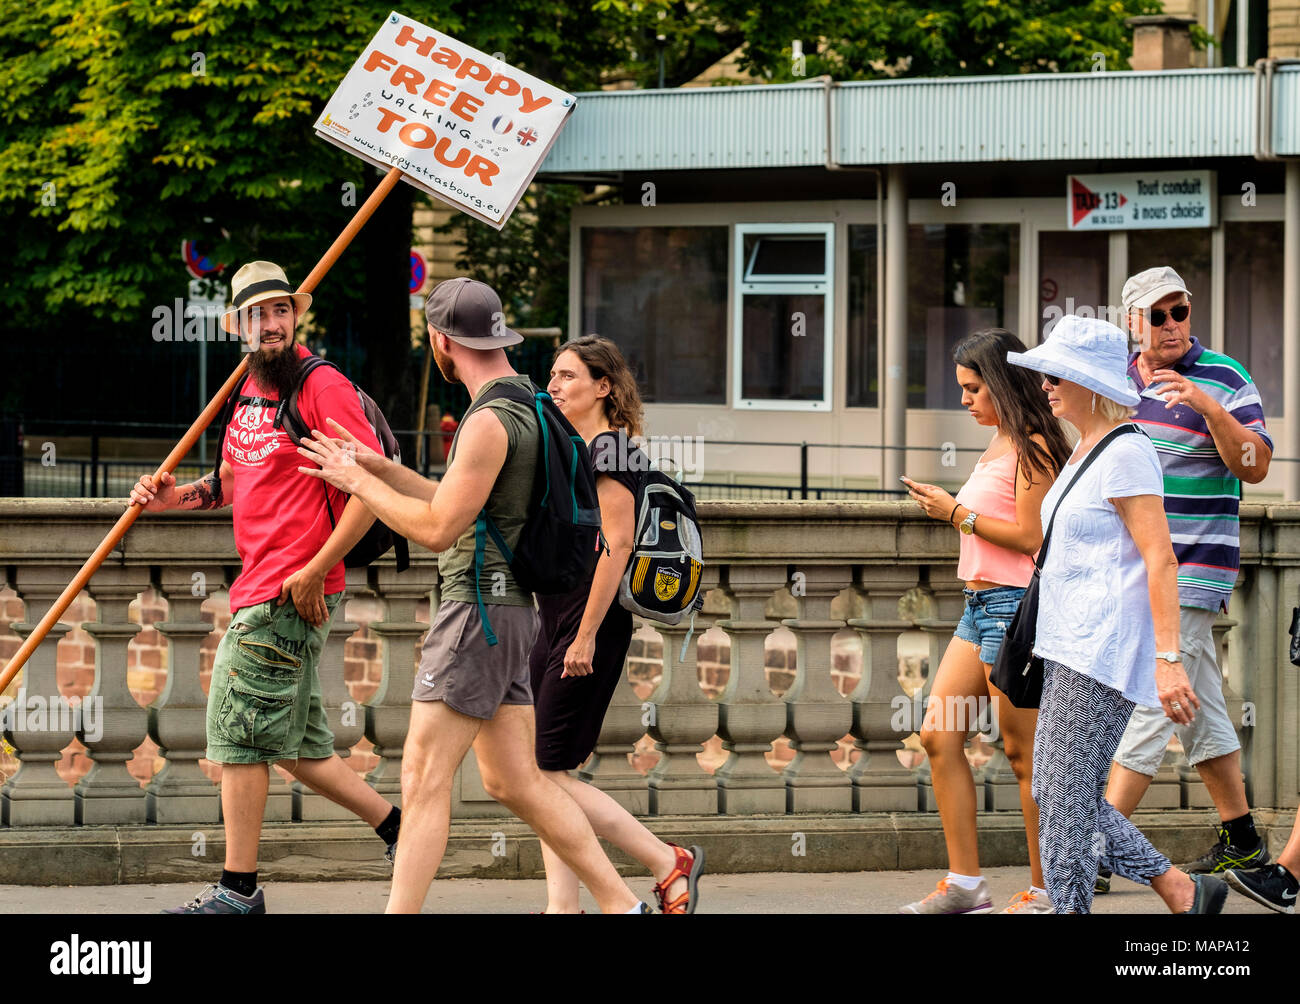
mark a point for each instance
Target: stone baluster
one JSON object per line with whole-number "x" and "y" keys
{"x": 880, "y": 782}
{"x": 609, "y": 769}
{"x": 684, "y": 719}
{"x": 750, "y": 719}
{"x": 181, "y": 792}
{"x": 388, "y": 712}
{"x": 346, "y": 719}
{"x": 36, "y": 795}
{"x": 817, "y": 715}
{"x": 113, "y": 722}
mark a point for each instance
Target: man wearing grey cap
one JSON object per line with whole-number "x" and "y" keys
{"x": 1205, "y": 417}
{"x": 469, "y": 692}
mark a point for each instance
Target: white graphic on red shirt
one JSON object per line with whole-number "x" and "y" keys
{"x": 253, "y": 436}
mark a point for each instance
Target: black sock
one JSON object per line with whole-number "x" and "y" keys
{"x": 244, "y": 883}
{"x": 1292, "y": 882}
{"x": 387, "y": 830}
{"x": 1241, "y": 831}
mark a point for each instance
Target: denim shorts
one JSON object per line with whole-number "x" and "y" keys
{"x": 264, "y": 703}
{"x": 986, "y": 618}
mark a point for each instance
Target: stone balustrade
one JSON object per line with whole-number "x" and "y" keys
{"x": 838, "y": 576}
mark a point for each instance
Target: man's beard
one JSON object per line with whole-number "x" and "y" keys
{"x": 446, "y": 365}
{"x": 276, "y": 371}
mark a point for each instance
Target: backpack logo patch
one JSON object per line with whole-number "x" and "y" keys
{"x": 667, "y": 582}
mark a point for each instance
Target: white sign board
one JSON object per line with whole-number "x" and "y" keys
{"x": 465, "y": 127}
{"x": 1154, "y": 200}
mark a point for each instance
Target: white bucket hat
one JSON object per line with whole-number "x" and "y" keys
{"x": 1084, "y": 350}
{"x": 257, "y": 282}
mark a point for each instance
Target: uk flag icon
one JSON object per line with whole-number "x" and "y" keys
{"x": 527, "y": 136}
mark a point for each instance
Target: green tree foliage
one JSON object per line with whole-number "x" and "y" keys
{"x": 862, "y": 39}
{"x": 128, "y": 126}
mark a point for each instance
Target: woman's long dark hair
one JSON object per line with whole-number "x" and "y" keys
{"x": 1018, "y": 395}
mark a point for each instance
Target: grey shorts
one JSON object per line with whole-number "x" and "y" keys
{"x": 458, "y": 666}
{"x": 1211, "y": 733}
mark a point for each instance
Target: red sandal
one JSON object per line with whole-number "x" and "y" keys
{"x": 689, "y": 865}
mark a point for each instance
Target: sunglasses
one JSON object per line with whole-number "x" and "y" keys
{"x": 1052, "y": 380}
{"x": 1178, "y": 313}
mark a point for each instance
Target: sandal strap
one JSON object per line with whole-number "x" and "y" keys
{"x": 683, "y": 857}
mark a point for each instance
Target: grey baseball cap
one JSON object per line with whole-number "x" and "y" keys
{"x": 469, "y": 312}
{"x": 1148, "y": 287}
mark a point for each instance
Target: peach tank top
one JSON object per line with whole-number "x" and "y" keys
{"x": 991, "y": 491}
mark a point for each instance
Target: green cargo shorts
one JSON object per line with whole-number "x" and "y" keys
{"x": 264, "y": 703}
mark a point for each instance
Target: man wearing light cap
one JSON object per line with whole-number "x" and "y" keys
{"x": 469, "y": 692}
{"x": 1205, "y": 417}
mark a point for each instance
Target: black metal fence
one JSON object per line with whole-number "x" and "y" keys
{"x": 91, "y": 475}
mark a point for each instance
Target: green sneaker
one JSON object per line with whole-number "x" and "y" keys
{"x": 1224, "y": 855}
{"x": 1102, "y": 883}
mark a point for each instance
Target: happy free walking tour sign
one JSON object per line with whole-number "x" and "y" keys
{"x": 461, "y": 125}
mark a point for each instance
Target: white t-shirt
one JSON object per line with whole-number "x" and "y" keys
{"x": 1094, "y": 611}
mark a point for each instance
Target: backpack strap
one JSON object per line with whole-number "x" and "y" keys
{"x": 480, "y": 543}
{"x": 484, "y": 524}
{"x": 223, "y": 423}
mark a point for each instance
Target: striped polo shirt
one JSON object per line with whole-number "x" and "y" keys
{"x": 1201, "y": 494}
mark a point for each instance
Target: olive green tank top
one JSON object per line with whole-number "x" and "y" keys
{"x": 507, "y": 504}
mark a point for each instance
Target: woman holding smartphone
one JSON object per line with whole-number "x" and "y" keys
{"x": 578, "y": 657}
{"x": 997, "y": 514}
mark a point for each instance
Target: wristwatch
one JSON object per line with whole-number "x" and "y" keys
{"x": 968, "y": 524}
{"x": 1169, "y": 656}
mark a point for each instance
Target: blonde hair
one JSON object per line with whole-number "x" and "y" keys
{"x": 1113, "y": 411}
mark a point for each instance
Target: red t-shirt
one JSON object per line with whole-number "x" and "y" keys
{"x": 279, "y": 513}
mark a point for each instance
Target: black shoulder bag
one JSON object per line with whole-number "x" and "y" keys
{"x": 1018, "y": 673}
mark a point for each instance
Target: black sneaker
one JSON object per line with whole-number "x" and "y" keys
{"x": 1273, "y": 887}
{"x": 219, "y": 899}
{"x": 1102, "y": 882}
{"x": 1224, "y": 855}
{"x": 1210, "y": 894}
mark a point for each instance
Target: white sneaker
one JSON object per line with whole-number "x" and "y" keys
{"x": 1029, "y": 902}
{"x": 951, "y": 898}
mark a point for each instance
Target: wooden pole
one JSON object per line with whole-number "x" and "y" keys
{"x": 187, "y": 442}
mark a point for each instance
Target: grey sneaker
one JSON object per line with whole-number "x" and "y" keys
{"x": 1029, "y": 902}
{"x": 219, "y": 899}
{"x": 950, "y": 898}
{"x": 1210, "y": 894}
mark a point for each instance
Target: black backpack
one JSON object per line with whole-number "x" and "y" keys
{"x": 380, "y": 538}
{"x": 557, "y": 548}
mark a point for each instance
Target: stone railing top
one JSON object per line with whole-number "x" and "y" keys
{"x": 61, "y": 531}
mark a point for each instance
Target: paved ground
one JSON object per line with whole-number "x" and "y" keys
{"x": 768, "y": 892}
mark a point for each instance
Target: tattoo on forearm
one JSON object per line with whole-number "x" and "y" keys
{"x": 206, "y": 492}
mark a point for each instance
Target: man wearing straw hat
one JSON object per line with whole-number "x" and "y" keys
{"x": 264, "y": 702}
